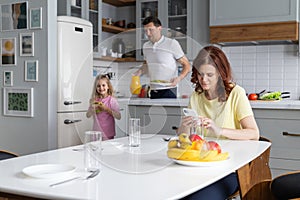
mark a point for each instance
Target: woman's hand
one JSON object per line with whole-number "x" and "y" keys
{"x": 187, "y": 121}
{"x": 210, "y": 125}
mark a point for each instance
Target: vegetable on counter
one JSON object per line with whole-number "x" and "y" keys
{"x": 253, "y": 96}
{"x": 268, "y": 96}
{"x": 271, "y": 96}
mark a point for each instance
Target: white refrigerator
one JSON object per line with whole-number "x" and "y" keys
{"x": 75, "y": 79}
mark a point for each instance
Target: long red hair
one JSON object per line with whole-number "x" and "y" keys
{"x": 214, "y": 56}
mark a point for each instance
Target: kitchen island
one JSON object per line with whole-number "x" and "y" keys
{"x": 143, "y": 172}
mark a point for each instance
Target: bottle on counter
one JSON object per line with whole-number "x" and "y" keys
{"x": 118, "y": 46}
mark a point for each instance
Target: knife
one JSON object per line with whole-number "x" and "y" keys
{"x": 92, "y": 175}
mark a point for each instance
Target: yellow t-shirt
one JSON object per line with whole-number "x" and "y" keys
{"x": 225, "y": 114}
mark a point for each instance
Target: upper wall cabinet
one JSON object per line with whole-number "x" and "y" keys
{"x": 86, "y": 9}
{"x": 255, "y": 20}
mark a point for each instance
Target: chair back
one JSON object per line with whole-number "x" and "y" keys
{"x": 254, "y": 172}
{"x": 286, "y": 186}
{"x": 6, "y": 155}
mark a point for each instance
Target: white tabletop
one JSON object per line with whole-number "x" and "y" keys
{"x": 136, "y": 173}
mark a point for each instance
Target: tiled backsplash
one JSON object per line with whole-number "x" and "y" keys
{"x": 255, "y": 68}
{"x": 270, "y": 67}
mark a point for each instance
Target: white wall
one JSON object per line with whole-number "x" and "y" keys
{"x": 25, "y": 135}
{"x": 270, "y": 67}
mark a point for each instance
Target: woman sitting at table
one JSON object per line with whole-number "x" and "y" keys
{"x": 223, "y": 110}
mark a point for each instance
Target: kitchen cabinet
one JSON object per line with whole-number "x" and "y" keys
{"x": 157, "y": 119}
{"x": 121, "y": 125}
{"x": 282, "y": 127}
{"x": 113, "y": 29}
{"x": 144, "y": 8}
{"x": 176, "y": 21}
{"x": 89, "y": 10}
{"x": 120, "y": 2}
{"x": 236, "y": 20}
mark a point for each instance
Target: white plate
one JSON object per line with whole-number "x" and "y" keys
{"x": 114, "y": 144}
{"x": 160, "y": 84}
{"x": 201, "y": 164}
{"x": 48, "y": 170}
{"x": 117, "y": 144}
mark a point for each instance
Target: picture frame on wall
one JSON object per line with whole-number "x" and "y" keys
{"x": 18, "y": 102}
{"x": 14, "y": 16}
{"x": 31, "y": 70}
{"x": 27, "y": 44}
{"x": 8, "y": 52}
{"x": 8, "y": 78}
{"x": 36, "y": 18}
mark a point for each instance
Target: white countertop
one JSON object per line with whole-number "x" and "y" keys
{"x": 127, "y": 173}
{"x": 284, "y": 104}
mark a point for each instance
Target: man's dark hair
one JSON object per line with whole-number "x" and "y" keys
{"x": 152, "y": 19}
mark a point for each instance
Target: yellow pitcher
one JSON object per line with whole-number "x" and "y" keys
{"x": 135, "y": 86}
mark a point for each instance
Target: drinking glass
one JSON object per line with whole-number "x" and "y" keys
{"x": 197, "y": 127}
{"x": 134, "y": 132}
{"x": 92, "y": 150}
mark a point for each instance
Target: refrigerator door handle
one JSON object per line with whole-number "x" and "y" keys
{"x": 69, "y": 121}
{"x": 71, "y": 102}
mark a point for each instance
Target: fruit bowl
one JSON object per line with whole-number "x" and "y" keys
{"x": 202, "y": 164}
{"x": 194, "y": 148}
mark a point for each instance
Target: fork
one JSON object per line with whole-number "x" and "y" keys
{"x": 93, "y": 174}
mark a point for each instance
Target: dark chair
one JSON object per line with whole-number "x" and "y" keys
{"x": 286, "y": 186}
{"x": 6, "y": 155}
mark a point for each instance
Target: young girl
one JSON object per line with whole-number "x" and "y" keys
{"x": 104, "y": 107}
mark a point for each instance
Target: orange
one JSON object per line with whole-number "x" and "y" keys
{"x": 197, "y": 145}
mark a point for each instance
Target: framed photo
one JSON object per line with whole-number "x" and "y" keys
{"x": 36, "y": 18}
{"x": 26, "y": 44}
{"x": 8, "y": 51}
{"x": 18, "y": 102}
{"x": 14, "y": 16}
{"x": 31, "y": 70}
{"x": 8, "y": 78}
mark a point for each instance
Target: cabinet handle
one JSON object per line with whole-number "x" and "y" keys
{"x": 68, "y": 121}
{"x": 71, "y": 102}
{"x": 290, "y": 134}
{"x": 122, "y": 109}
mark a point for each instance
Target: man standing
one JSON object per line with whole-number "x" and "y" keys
{"x": 161, "y": 54}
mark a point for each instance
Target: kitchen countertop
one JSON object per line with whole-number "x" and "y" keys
{"x": 284, "y": 104}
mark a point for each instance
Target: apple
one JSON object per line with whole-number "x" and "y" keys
{"x": 212, "y": 145}
{"x": 195, "y": 137}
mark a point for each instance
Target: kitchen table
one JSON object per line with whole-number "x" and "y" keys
{"x": 143, "y": 172}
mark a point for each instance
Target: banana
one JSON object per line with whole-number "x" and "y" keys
{"x": 220, "y": 156}
{"x": 209, "y": 155}
{"x": 184, "y": 149}
{"x": 185, "y": 145}
{"x": 184, "y": 138}
{"x": 195, "y": 155}
{"x": 183, "y": 154}
{"x": 173, "y": 144}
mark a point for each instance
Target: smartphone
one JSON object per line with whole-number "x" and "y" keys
{"x": 189, "y": 112}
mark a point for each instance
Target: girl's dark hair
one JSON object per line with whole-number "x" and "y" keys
{"x": 152, "y": 19}
{"x": 216, "y": 57}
